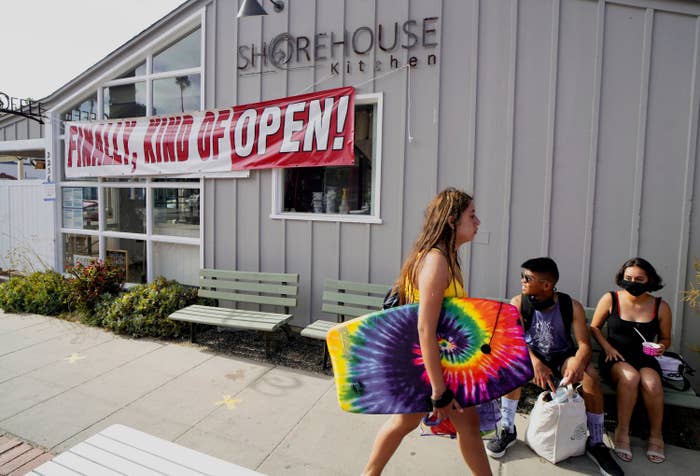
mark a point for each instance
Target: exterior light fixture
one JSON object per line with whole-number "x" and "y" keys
{"x": 250, "y": 8}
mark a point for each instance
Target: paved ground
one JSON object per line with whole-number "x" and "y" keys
{"x": 61, "y": 382}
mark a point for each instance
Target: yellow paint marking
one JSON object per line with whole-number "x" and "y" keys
{"x": 74, "y": 357}
{"x": 229, "y": 402}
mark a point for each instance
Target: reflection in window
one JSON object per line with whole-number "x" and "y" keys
{"x": 133, "y": 252}
{"x": 83, "y": 111}
{"x": 125, "y": 209}
{"x": 176, "y": 212}
{"x": 344, "y": 190}
{"x": 140, "y": 70}
{"x": 124, "y": 100}
{"x": 185, "y": 53}
{"x": 177, "y": 94}
{"x": 79, "y": 249}
{"x": 79, "y": 208}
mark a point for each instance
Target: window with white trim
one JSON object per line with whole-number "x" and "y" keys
{"x": 153, "y": 223}
{"x": 339, "y": 193}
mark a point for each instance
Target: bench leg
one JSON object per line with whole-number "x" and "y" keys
{"x": 288, "y": 332}
{"x": 325, "y": 356}
{"x": 267, "y": 344}
{"x": 192, "y": 331}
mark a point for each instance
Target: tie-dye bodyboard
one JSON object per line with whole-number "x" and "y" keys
{"x": 378, "y": 365}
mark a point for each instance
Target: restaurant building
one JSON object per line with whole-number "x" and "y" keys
{"x": 573, "y": 122}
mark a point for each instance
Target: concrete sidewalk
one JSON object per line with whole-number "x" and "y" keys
{"x": 62, "y": 382}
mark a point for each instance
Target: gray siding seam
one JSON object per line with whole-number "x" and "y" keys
{"x": 510, "y": 140}
{"x": 215, "y": 47}
{"x": 338, "y": 261}
{"x": 235, "y": 225}
{"x": 593, "y": 156}
{"x": 640, "y": 145}
{"x": 280, "y": 184}
{"x": 551, "y": 124}
{"x": 311, "y": 270}
{"x": 368, "y": 229}
{"x": 659, "y": 5}
{"x": 471, "y": 124}
{"x": 436, "y": 111}
{"x": 402, "y": 165}
{"x": 687, "y": 208}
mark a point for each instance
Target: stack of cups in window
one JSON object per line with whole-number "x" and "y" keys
{"x": 330, "y": 200}
{"x": 317, "y": 202}
{"x": 651, "y": 348}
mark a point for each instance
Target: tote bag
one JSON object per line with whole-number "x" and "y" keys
{"x": 557, "y": 428}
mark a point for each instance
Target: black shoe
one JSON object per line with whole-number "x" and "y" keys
{"x": 498, "y": 446}
{"x": 600, "y": 454}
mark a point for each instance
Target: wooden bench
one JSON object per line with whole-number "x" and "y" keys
{"x": 344, "y": 299}
{"x": 119, "y": 450}
{"x": 686, "y": 399}
{"x": 270, "y": 289}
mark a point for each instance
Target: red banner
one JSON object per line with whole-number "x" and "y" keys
{"x": 309, "y": 130}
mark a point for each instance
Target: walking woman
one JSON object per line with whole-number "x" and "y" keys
{"x": 431, "y": 273}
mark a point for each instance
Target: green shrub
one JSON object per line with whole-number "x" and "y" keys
{"x": 144, "y": 309}
{"x": 90, "y": 282}
{"x": 42, "y": 292}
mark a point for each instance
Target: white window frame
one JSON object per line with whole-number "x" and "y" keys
{"x": 198, "y": 19}
{"x": 376, "y": 99}
{"x": 149, "y": 237}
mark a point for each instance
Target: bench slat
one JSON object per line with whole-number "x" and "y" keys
{"x": 318, "y": 329}
{"x": 336, "y": 297}
{"x": 346, "y": 310}
{"x": 334, "y": 284}
{"x": 235, "y": 318}
{"x": 250, "y": 275}
{"x": 290, "y": 290}
{"x": 253, "y": 298}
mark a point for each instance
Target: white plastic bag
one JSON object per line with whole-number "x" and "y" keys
{"x": 558, "y": 429}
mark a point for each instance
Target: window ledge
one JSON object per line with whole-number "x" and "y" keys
{"x": 332, "y": 217}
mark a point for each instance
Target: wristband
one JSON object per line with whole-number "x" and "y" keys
{"x": 444, "y": 399}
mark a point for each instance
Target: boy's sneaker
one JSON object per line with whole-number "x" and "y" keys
{"x": 600, "y": 454}
{"x": 498, "y": 446}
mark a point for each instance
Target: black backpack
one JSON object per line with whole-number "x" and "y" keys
{"x": 566, "y": 307}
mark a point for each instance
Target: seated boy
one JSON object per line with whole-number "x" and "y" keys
{"x": 548, "y": 317}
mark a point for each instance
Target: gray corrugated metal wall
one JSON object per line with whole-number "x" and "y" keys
{"x": 574, "y": 122}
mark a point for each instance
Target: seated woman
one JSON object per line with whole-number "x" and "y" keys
{"x": 634, "y": 316}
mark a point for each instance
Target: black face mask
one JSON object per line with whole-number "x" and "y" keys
{"x": 540, "y": 305}
{"x": 635, "y": 289}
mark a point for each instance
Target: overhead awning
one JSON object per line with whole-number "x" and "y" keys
{"x": 35, "y": 148}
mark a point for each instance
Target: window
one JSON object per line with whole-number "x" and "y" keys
{"x": 125, "y": 209}
{"x": 152, "y": 224}
{"x": 79, "y": 249}
{"x": 176, "y": 212}
{"x": 83, "y": 111}
{"x": 124, "y": 100}
{"x": 184, "y": 53}
{"x": 176, "y": 94}
{"x": 79, "y": 208}
{"x": 346, "y": 193}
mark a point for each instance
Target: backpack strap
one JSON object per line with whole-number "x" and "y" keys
{"x": 566, "y": 307}
{"x": 526, "y": 310}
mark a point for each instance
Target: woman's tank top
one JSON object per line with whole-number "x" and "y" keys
{"x": 622, "y": 334}
{"x": 454, "y": 289}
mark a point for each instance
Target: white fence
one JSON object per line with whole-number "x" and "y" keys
{"x": 26, "y": 226}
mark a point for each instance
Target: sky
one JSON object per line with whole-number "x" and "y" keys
{"x": 47, "y": 43}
